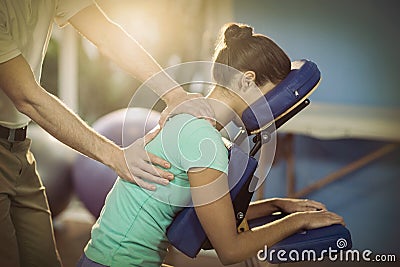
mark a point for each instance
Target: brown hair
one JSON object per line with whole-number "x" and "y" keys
{"x": 238, "y": 47}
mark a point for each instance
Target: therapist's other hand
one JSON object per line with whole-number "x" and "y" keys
{"x": 140, "y": 162}
{"x": 290, "y": 205}
{"x": 182, "y": 102}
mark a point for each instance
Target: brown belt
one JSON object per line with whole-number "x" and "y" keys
{"x": 13, "y": 135}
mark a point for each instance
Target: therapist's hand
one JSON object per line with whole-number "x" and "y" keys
{"x": 139, "y": 162}
{"x": 178, "y": 101}
{"x": 290, "y": 205}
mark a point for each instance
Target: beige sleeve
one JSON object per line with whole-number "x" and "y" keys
{"x": 8, "y": 47}
{"x": 65, "y": 9}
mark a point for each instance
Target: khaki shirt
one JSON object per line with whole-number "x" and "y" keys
{"x": 25, "y": 28}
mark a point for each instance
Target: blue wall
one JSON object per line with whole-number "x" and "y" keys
{"x": 355, "y": 46}
{"x": 354, "y": 43}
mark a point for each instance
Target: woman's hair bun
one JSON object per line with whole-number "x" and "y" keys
{"x": 236, "y": 32}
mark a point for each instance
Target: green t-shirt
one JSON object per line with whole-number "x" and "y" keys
{"x": 131, "y": 229}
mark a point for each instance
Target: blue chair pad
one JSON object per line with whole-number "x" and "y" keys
{"x": 289, "y": 92}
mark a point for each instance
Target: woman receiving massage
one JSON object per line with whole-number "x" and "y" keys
{"x": 131, "y": 230}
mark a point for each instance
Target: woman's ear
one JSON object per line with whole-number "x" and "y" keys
{"x": 248, "y": 80}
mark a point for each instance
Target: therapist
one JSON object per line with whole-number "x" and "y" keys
{"x": 26, "y": 232}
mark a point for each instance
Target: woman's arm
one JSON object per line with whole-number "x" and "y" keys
{"x": 262, "y": 208}
{"x": 266, "y": 207}
{"x": 218, "y": 219}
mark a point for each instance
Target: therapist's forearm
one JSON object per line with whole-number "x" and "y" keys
{"x": 135, "y": 60}
{"x": 116, "y": 44}
{"x": 18, "y": 83}
{"x": 132, "y": 52}
{"x": 53, "y": 116}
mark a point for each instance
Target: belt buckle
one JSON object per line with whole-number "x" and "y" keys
{"x": 11, "y": 135}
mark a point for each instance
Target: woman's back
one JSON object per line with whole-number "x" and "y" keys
{"x": 131, "y": 230}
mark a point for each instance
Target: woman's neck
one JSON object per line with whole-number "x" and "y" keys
{"x": 229, "y": 106}
{"x": 222, "y": 106}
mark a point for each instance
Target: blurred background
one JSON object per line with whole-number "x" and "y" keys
{"x": 343, "y": 150}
